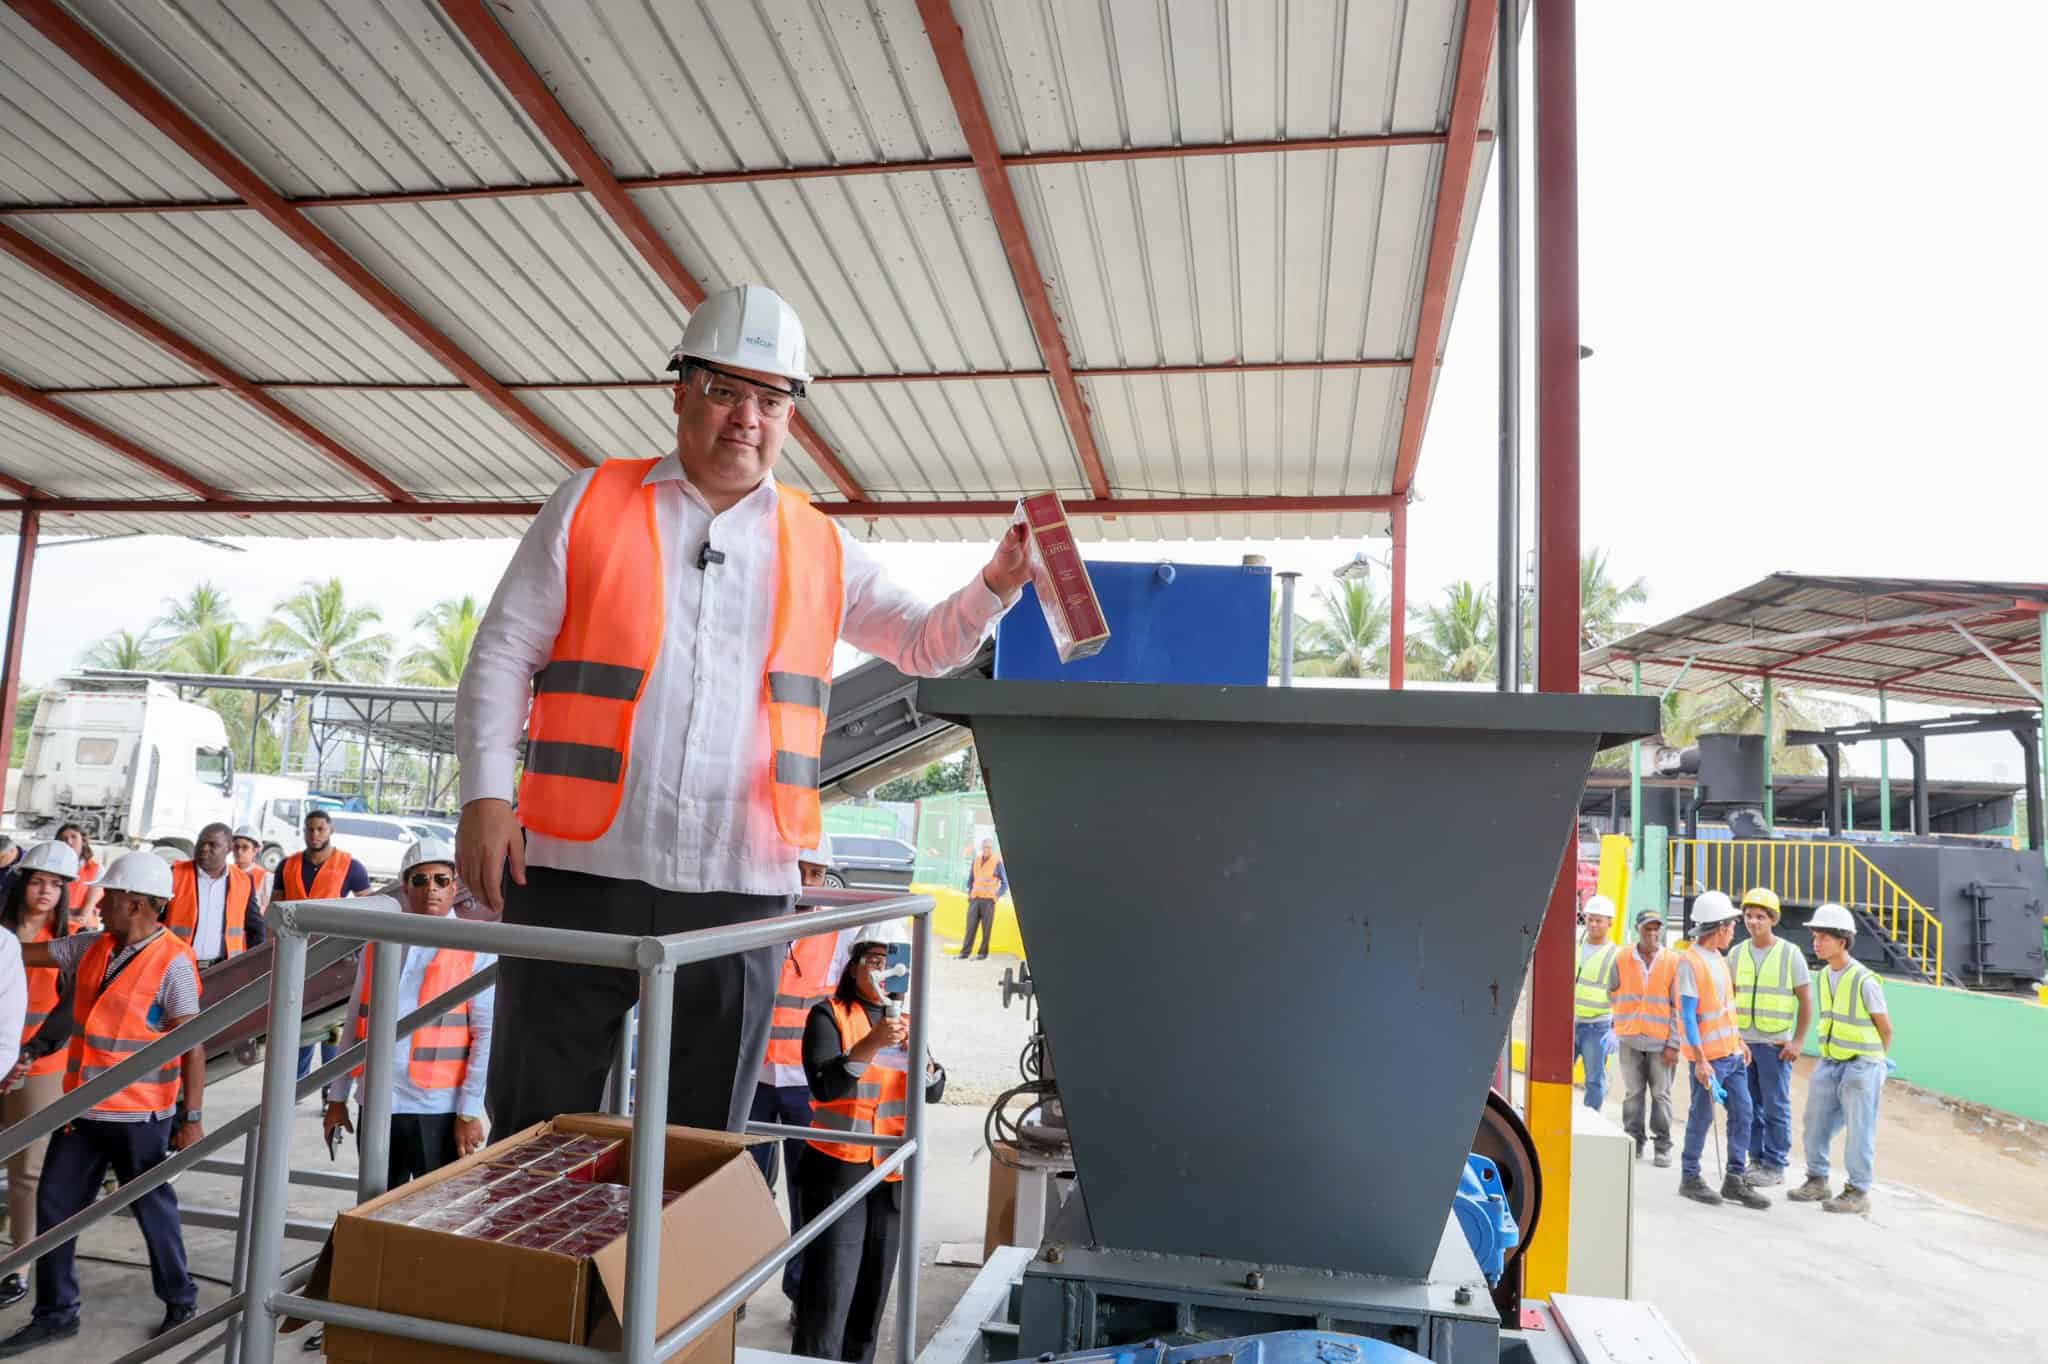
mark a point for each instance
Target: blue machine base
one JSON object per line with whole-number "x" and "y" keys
{"x": 1271, "y": 1347}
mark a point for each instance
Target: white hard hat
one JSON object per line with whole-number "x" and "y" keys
{"x": 820, "y": 856}
{"x": 1713, "y": 908}
{"x": 249, "y": 833}
{"x": 426, "y": 852}
{"x": 1835, "y": 919}
{"x": 748, "y": 326}
{"x": 1598, "y": 904}
{"x": 144, "y": 873}
{"x": 53, "y": 857}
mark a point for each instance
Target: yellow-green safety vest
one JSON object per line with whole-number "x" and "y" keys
{"x": 1846, "y": 1032}
{"x": 1591, "y": 997}
{"x": 1764, "y": 998}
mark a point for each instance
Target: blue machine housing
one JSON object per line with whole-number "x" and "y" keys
{"x": 1484, "y": 1217}
{"x": 1191, "y": 623}
{"x": 1271, "y": 1347}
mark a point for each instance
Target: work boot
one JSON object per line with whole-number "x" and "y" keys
{"x": 37, "y": 1332}
{"x": 1851, "y": 1199}
{"x": 13, "y": 1289}
{"x": 1812, "y": 1191}
{"x": 1642, "y": 1145}
{"x": 175, "y": 1315}
{"x": 1735, "y": 1189}
{"x": 1696, "y": 1189}
{"x": 1662, "y": 1160}
{"x": 1764, "y": 1176}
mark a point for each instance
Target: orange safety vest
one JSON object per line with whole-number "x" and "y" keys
{"x": 880, "y": 1103}
{"x": 440, "y": 1049}
{"x": 580, "y": 731}
{"x": 44, "y": 991}
{"x": 987, "y": 885}
{"x": 112, "y": 1022}
{"x": 182, "y": 917}
{"x": 327, "y": 882}
{"x": 79, "y": 888}
{"x": 803, "y": 984}
{"x": 1718, "y": 1037}
{"x": 1644, "y": 1006}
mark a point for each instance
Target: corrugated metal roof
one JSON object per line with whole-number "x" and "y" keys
{"x": 1304, "y": 257}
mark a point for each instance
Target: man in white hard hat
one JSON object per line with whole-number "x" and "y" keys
{"x": 1710, "y": 1044}
{"x": 1855, "y": 1035}
{"x": 663, "y": 639}
{"x": 248, "y": 849}
{"x": 1593, "y": 996}
{"x": 129, "y": 984}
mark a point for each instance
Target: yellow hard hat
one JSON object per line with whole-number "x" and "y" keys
{"x": 1763, "y": 897}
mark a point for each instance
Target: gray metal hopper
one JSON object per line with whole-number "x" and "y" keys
{"x": 1278, "y": 936}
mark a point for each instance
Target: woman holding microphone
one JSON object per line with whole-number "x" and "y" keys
{"x": 858, "y": 1071}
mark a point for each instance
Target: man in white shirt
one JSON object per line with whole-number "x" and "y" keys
{"x": 669, "y": 624}
{"x": 213, "y": 905}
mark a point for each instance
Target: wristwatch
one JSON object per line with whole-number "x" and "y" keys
{"x": 189, "y": 1117}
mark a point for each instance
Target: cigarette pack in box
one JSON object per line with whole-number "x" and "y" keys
{"x": 1065, "y": 595}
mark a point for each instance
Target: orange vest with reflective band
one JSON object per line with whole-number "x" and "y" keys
{"x": 1718, "y": 1037}
{"x": 44, "y": 991}
{"x": 987, "y": 885}
{"x": 580, "y": 730}
{"x": 80, "y": 888}
{"x": 182, "y": 917}
{"x": 327, "y": 882}
{"x": 879, "y": 1104}
{"x": 1643, "y": 1007}
{"x": 112, "y": 1022}
{"x": 803, "y": 984}
{"x": 440, "y": 1049}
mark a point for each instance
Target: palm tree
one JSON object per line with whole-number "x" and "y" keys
{"x": 1601, "y": 602}
{"x": 204, "y": 605}
{"x": 219, "y": 648}
{"x": 451, "y": 631}
{"x": 125, "y": 650}
{"x": 1456, "y": 640}
{"x": 1350, "y": 638}
{"x": 317, "y": 635}
{"x": 1736, "y": 707}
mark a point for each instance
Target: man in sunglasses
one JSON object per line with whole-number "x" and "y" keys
{"x": 663, "y": 641}
{"x": 437, "y": 1101}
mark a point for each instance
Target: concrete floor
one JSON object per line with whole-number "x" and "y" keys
{"x": 1949, "y": 1263}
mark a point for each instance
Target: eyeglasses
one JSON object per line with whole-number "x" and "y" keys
{"x": 439, "y": 880}
{"x": 727, "y": 390}
{"x": 874, "y": 959}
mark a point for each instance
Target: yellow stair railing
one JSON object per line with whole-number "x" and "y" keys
{"x": 1813, "y": 873}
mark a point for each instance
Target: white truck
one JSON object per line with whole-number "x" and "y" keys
{"x": 275, "y": 807}
{"x": 127, "y": 762}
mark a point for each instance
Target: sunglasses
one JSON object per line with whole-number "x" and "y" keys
{"x": 439, "y": 880}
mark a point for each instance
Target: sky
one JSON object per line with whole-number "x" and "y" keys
{"x": 1811, "y": 275}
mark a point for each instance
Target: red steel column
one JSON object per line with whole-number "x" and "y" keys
{"x": 17, "y": 628}
{"x": 1397, "y": 601}
{"x": 1557, "y": 604}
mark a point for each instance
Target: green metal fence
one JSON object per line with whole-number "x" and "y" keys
{"x": 873, "y": 819}
{"x": 949, "y": 828}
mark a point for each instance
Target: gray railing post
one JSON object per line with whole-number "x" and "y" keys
{"x": 272, "y": 1167}
{"x": 242, "y": 1218}
{"x": 650, "y": 1140}
{"x": 373, "y": 1121}
{"x": 913, "y": 1131}
{"x": 618, "y": 1086}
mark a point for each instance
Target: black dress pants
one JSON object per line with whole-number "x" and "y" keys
{"x": 981, "y": 919}
{"x": 848, "y": 1269}
{"x": 421, "y": 1143}
{"x": 556, "y": 1022}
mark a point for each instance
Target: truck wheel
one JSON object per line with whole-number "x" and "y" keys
{"x": 271, "y": 856}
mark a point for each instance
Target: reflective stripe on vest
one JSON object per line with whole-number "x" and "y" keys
{"x": 987, "y": 885}
{"x": 327, "y": 882}
{"x": 580, "y": 729}
{"x": 1643, "y": 1006}
{"x": 440, "y": 1048}
{"x": 1846, "y": 1032}
{"x": 45, "y": 989}
{"x": 182, "y": 916}
{"x": 879, "y": 1104}
{"x": 1717, "y": 1015}
{"x": 1764, "y": 998}
{"x": 1590, "y": 998}
{"x": 803, "y": 985}
{"x": 112, "y": 1022}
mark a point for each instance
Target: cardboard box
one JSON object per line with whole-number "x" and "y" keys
{"x": 1065, "y": 594}
{"x": 721, "y": 1220}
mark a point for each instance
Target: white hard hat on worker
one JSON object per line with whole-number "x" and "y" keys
{"x": 1713, "y": 908}
{"x": 740, "y": 368}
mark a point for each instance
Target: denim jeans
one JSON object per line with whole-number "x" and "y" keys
{"x": 1594, "y": 1039}
{"x": 1700, "y": 1116}
{"x": 1770, "y": 1095}
{"x": 1844, "y": 1093}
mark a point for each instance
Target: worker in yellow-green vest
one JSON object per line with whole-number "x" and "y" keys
{"x": 1773, "y": 1010}
{"x": 1593, "y": 996}
{"x": 1855, "y": 1033}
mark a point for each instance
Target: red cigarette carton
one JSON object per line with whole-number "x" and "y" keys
{"x": 1072, "y": 612}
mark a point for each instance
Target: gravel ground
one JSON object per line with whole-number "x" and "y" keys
{"x": 973, "y": 1035}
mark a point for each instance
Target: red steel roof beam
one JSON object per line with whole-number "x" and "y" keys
{"x": 516, "y": 74}
{"x": 135, "y": 90}
{"x": 1468, "y": 95}
{"x": 51, "y": 266}
{"x": 949, "y": 46}
{"x": 113, "y": 440}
